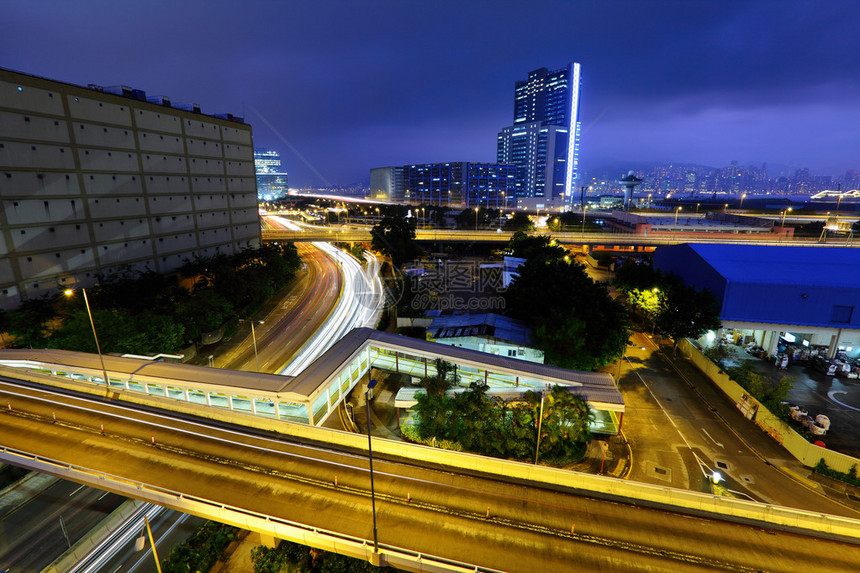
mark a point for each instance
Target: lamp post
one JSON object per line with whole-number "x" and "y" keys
{"x": 697, "y": 207}
{"x": 678, "y": 210}
{"x": 540, "y": 421}
{"x": 782, "y": 233}
{"x": 254, "y": 338}
{"x": 370, "y": 386}
{"x": 584, "y": 207}
{"x": 476, "y": 219}
{"x": 649, "y": 201}
{"x": 743, "y": 196}
{"x": 725, "y": 207}
{"x": 70, "y": 292}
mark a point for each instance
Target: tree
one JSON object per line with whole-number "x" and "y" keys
{"x": 576, "y": 323}
{"x": 686, "y": 312}
{"x": 519, "y": 221}
{"x": 395, "y": 237}
{"x": 27, "y": 322}
{"x": 469, "y": 219}
{"x": 527, "y": 246}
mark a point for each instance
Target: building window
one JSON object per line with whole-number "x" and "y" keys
{"x": 841, "y": 314}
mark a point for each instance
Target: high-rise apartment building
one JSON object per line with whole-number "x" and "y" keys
{"x": 457, "y": 184}
{"x": 544, "y": 138}
{"x": 94, "y": 180}
{"x": 271, "y": 179}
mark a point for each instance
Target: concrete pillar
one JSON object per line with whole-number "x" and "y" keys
{"x": 834, "y": 344}
{"x": 774, "y": 340}
{"x": 264, "y": 539}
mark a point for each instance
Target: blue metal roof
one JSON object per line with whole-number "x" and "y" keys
{"x": 803, "y": 266}
{"x": 803, "y": 286}
{"x": 488, "y": 324}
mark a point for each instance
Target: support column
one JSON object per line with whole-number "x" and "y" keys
{"x": 774, "y": 341}
{"x": 834, "y": 344}
{"x": 264, "y": 539}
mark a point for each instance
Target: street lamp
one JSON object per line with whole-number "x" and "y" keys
{"x": 743, "y": 196}
{"x": 254, "y": 338}
{"x": 70, "y": 292}
{"x": 370, "y": 386}
{"x": 725, "y": 206}
{"x": 782, "y": 231}
{"x": 540, "y": 420}
{"x": 584, "y": 207}
{"x": 476, "y": 219}
{"x": 678, "y": 210}
{"x": 697, "y": 207}
{"x": 649, "y": 200}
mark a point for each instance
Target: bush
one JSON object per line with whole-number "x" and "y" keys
{"x": 848, "y": 477}
{"x": 202, "y": 550}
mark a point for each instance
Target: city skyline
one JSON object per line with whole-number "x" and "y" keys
{"x": 339, "y": 88}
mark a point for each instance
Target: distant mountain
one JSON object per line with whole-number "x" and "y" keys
{"x": 616, "y": 169}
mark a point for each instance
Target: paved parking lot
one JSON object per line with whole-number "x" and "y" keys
{"x": 837, "y": 398}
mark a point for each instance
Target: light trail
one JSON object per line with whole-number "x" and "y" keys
{"x": 359, "y": 305}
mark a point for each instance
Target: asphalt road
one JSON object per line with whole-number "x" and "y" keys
{"x": 529, "y": 528}
{"x": 32, "y": 535}
{"x": 288, "y": 325}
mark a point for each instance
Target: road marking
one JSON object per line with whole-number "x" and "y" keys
{"x": 712, "y": 439}
{"x": 77, "y": 490}
{"x": 832, "y": 395}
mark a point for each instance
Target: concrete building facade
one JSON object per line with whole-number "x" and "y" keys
{"x": 92, "y": 182}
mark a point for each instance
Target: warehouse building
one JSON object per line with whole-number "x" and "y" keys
{"x": 94, "y": 180}
{"x": 803, "y": 297}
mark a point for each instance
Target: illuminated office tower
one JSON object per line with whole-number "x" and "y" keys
{"x": 271, "y": 180}
{"x": 544, "y": 138}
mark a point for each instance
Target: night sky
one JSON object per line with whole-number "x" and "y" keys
{"x": 340, "y": 87}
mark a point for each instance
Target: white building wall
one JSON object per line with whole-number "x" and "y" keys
{"x": 91, "y": 181}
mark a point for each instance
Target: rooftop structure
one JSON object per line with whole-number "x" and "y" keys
{"x": 488, "y": 332}
{"x": 314, "y": 394}
{"x": 798, "y": 289}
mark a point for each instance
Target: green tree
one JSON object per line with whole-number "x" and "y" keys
{"x": 686, "y": 312}
{"x": 395, "y": 237}
{"x": 467, "y": 218}
{"x": 27, "y": 322}
{"x": 519, "y": 221}
{"x": 576, "y": 323}
{"x": 527, "y": 246}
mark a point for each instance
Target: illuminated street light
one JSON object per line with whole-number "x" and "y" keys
{"x": 725, "y": 207}
{"x": 783, "y": 223}
{"x": 254, "y": 338}
{"x": 369, "y": 392}
{"x": 476, "y": 219}
{"x": 742, "y": 200}
{"x": 678, "y": 210}
{"x": 70, "y": 292}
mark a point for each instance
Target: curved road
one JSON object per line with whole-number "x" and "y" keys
{"x": 302, "y": 313}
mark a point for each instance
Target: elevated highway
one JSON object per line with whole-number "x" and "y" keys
{"x": 436, "y": 510}
{"x": 362, "y": 234}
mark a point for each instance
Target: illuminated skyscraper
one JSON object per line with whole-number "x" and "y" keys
{"x": 271, "y": 181}
{"x": 544, "y": 138}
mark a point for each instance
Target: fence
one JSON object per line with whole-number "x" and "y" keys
{"x": 806, "y": 453}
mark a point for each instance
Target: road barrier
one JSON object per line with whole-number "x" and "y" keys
{"x": 682, "y": 501}
{"x": 806, "y": 453}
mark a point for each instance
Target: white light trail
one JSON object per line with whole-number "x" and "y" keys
{"x": 359, "y": 305}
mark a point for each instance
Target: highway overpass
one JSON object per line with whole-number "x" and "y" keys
{"x": 436, "y": 510}
{"x": 362, "y": 234}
